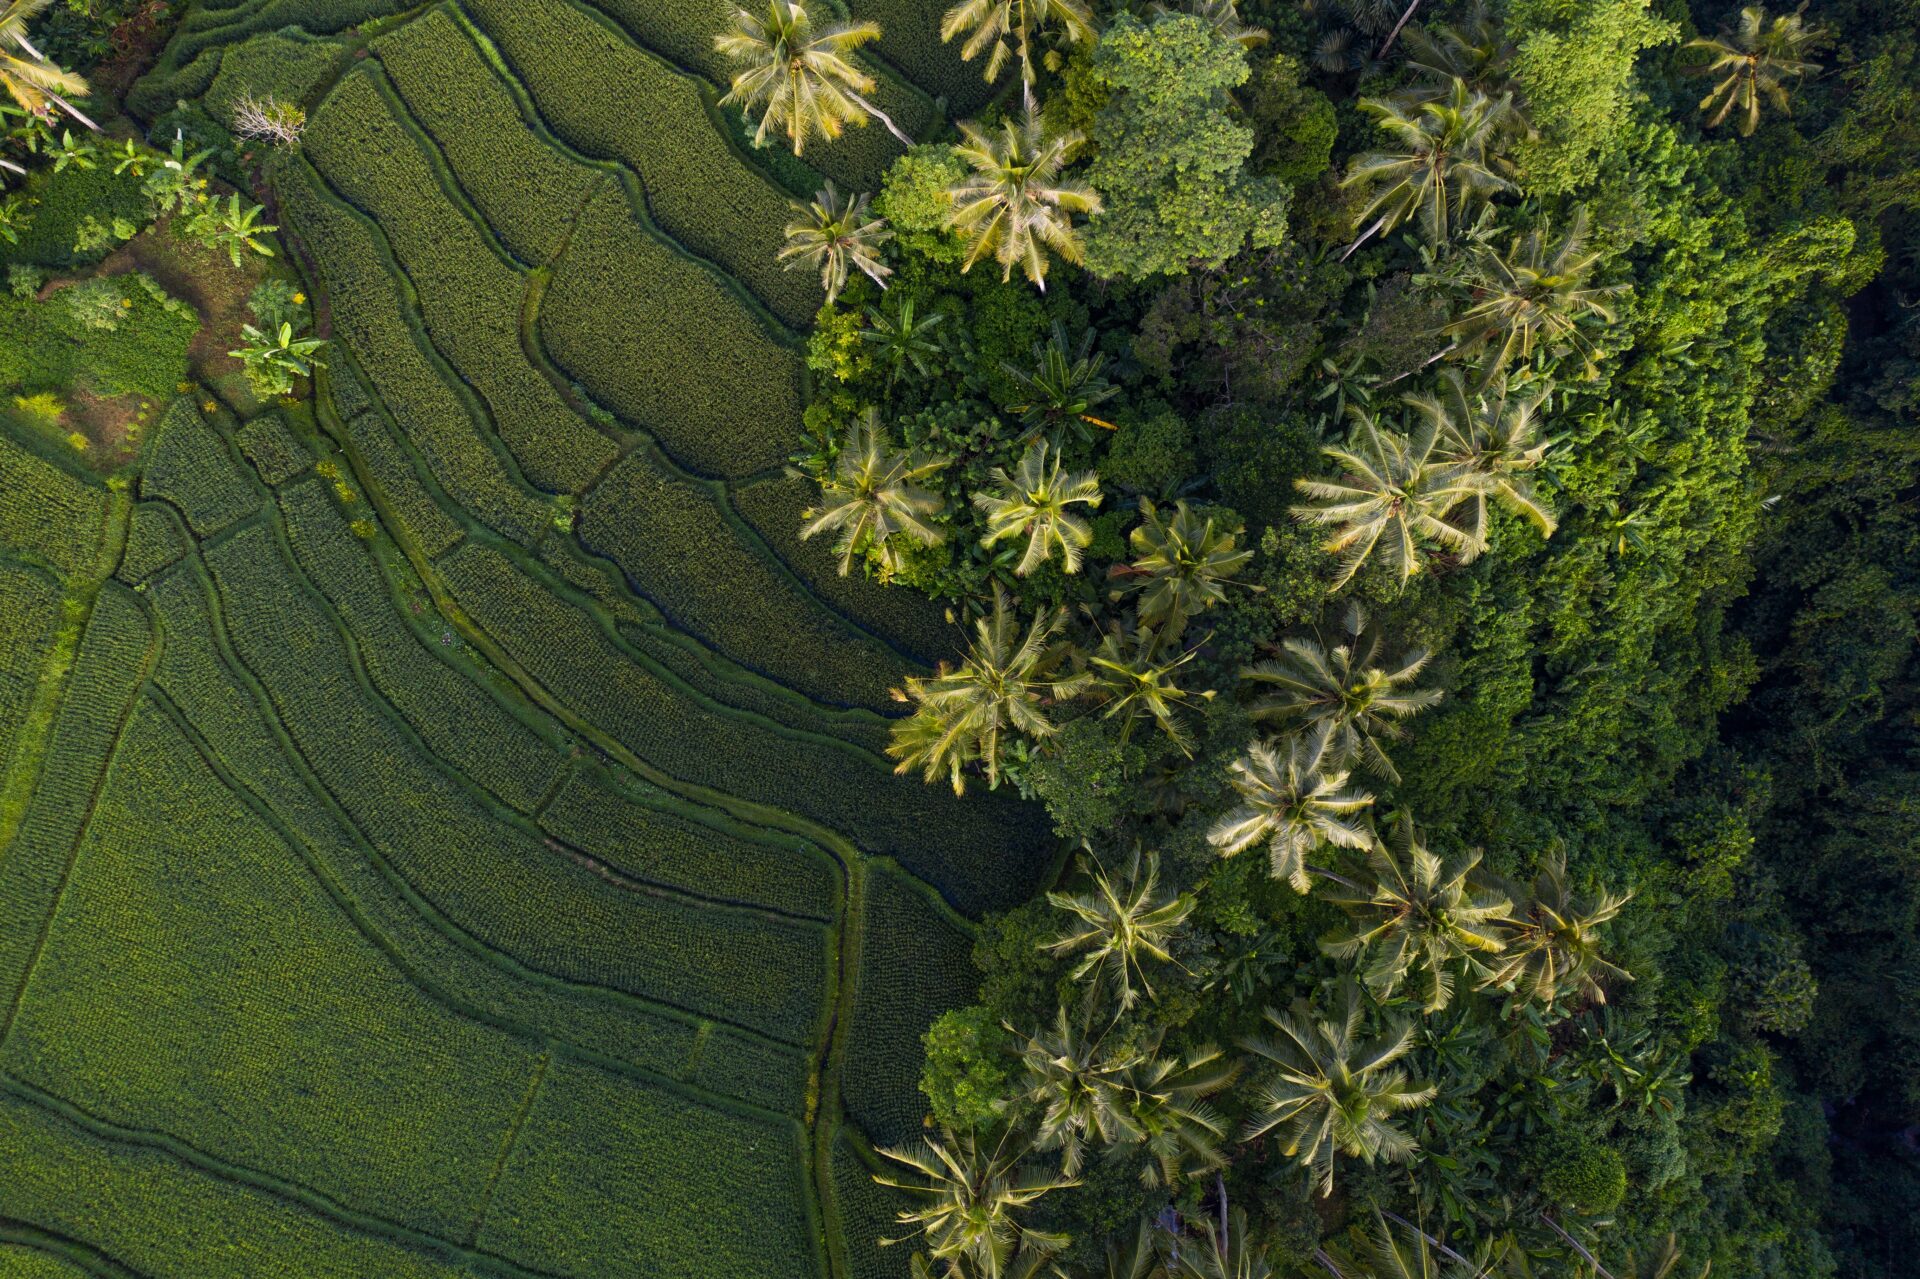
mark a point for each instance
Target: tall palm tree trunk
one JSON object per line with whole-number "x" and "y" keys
{"x": 882, "y": 117}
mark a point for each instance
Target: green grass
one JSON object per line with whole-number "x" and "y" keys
{"x": 677, "y": 546}
{"x": 50, "y": 345}
{"x": 612, "y": 1180}
{"x": 470, "y": 299}
{"x": 670, "y": 346}
{"x": 182, "y": 930}
{"x": 30, "y": 619}
{"x": 192, "y": 468}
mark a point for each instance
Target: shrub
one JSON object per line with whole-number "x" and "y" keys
{"x": 966, "y": 1076}
{"x": 1580, "y": 1172}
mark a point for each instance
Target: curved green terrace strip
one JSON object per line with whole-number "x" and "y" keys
{"x": 30, "y": 623}
{"x": 468, "y": 292}
{"x": 52, "y": 514}
{"x": 910, "y": 40}
{"x": 610, "y": 100}
{"x": 27, "y": 1252}
{"x": 192, "y": 469}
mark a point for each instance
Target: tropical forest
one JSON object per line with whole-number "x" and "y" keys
{"x": 959, "y": 639}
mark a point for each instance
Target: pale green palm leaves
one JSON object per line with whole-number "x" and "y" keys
{"x": 1494, "y": 440}
{"x": 1004, "y": 684}
{"x": 1015, "y": 207}
{"x": 1391, "y": 501}
{"x": 836, "y": 233}
{"x": 1182, "y": 564}
{"x": 1064, "y": 386}
{"x": 798, "y": 75}
{"x": 968, "y": 1197}
{"x": 904, "y": 338}
{"x": 1229, "y": 1253}
{"x": 1169, "y": 1109}
{"x": 1440, "y": 165}
{"x": 29, "y": 77}
{"x": 1756, "y": 61}
{"x": 1007, "y": 28}
{"x": 1555, "y": 950}
{"x": 1133, "y": 683}
{"x": 1036, "y": 501}
{"x": 1406, "y": 1253}
{"x": 1536, "y": 294}
{"x": 1335, "y": 1093}
{"x": 1350, "y": 691}
{"x": 1120, "y": 924}
{"x": 1291, "y": 800}
{"x": 1082, "y": 1094}
{"x": 1418, "y": 920}
{"x": 873, "y": 500}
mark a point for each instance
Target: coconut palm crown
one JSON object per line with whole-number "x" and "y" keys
{"x": 1291, "y": 800}
{"x": 1036, "y": 501}
{"x": 835, "y": 233}
{"x": 1015, "y": 207}
{"x": 798, "y": 74}
{"x": 28, "y": 76}
{"x": 1756, "y": 61}
{"x": 1120, "y": 923}
{"x": 872, "y": 498}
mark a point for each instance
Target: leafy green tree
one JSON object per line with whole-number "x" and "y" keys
{"x": 1170, "y": 159}
{"x": 1169, "y": 1108}
{"x": 1294, "y": 801}
{"x": 1035, "y": 502}
{"x": 1555, "y": 953}
{"x": 798, "y": 75}
{"x": 1392, "y": 499}
{"x": 1182, "y": 565}
{"x": 1418, "y": 920}
{"x": 1120, "y": 925}
{"x": 1015, "y": 206}
{"x": 965, "y": 1077}
{"x": 1493, "y": 437}
{"x": 1064, "y": 386}
{"x": 904, "y": 339}
{"x": 1080, "y": 1092}
{"x": 1440, "y": 168}
{"x": 1223, "y": 16}
{"x": 1334, "y": 1092}
{"x": 1003, "y": 685}
{"x": 1754, "y": 61}
{"x": 835, "y": 233}
{"x": 969, "y": 1196}
{"x": 1573, "y": 65}
{"x": 1008, "y": 28}
{"x": 33, "y": 80}
{"x": 873, "y": 499}
{"x": 1133, "y": 682}
{"x": 273, "y": 360}
{"x": 1537, "y": 293}
{"x": 1358, "y": 697}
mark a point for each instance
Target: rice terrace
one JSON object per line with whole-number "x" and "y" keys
{"x": 1034, "y": 639}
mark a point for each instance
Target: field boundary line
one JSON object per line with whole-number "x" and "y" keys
{"x": 93, "y": 1260}
{"x": 507, "y": 1143}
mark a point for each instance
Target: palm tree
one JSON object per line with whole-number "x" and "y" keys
{"x": 1440, "y": 168}
{"x": 1168, "y": 1107}
{"x": 905, "y": 339}
{"x": 1223, "y": 16}
{"x": 873, "y": 499}
{"x": 1418, "y": 919}
{"x": 1756, "y": 61}
{"x": 1015, "y": 206}
{"x": 1120, "y": 925}
{"x": 1080, "y": 1093}
{"x": 1535, "y": 293}
{"x": 1035, "y": 502}
{"x": 834, "y": 233}
{"x": 798, "y": 75}
{"x": 1226, "y": 1253}
{"x": 1131, "y": 683}
{"x": 1408, "y": 1253}
{"x": 1002, "y": 28}
{"x": 1334, "y": 1093}
{"x": 1353, "y": 693}
{"x": 34, "y": 81}
{"x": 1182, "y": 565}
{"x": 1393, "y": 498}
{"x": 1474, "y": 50}
{"x": 1295, "y": 802}
{"x": 1555, "y": 951}
{"x": 1001, "y": 686}
{"x": 1133, "y": 1259}
{"x": 1494, "y": 440}
{"x": 1064, "y": 387}
{"x": 970, "y": 1196}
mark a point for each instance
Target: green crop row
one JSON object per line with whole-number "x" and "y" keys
{"x": 271, "y": 447}
{"x": 527, "y": 190}
{"x": 19, "y": 1261}
{"x": 913, "y": 963}
{"x": 188, "y": 65}
{"x": 188, "y": 929}
{"x": 637, "y": 831}
{"x": 49, "y": 512}
{"x": 610, "y": 1179}
{"x": 400, "y": 487}
{"x": 287, "y": 65}
{"x": 614, "y": 101}
{"x": 456, "y": 719}
{"x": 155, "y": 539}
{"x": 370, "y": 317}
{"x": 470, "y": 300}
{"x": 757, "y": 1071}
{"x": 910, "y": 39}
{"x": 869, "y": 1212}
{"x": 160, "y": 1216}
{"x": 982, "y": 853}
{"x": 488, "y": 874}
{"x": 668, "y": 344}
{"x": 907, "y": 620}
{"x": 192, "y": 467}
{"x": 30, "y": 617}
{"x": 100, "y": 691}
{"x": 709, "y": 576}
{"x": 213, "y": 696}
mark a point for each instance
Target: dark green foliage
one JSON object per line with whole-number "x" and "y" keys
{"x": 122, "y": 335}
{"x": 1579, "y": 1173}
{"x": 1293, "y": 122}
{"x": 1152, "y": 451}
{"x": 967, "y": 1075}
{"x": 60, "y": 202}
